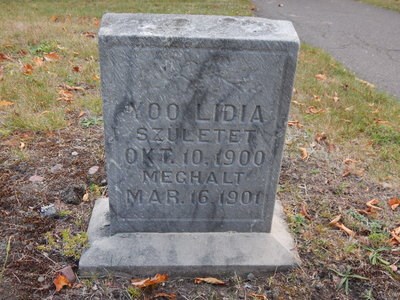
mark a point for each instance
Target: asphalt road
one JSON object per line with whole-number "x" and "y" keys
{"x": 366, "y": 39}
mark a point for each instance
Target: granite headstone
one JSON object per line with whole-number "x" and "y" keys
{"x": 195, "y": 111}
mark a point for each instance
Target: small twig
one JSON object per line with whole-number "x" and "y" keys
{"x": 8, "y": 248}
{"x": 17, "y": 277}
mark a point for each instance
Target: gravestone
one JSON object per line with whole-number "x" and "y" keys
{"x": 195, "y": 111}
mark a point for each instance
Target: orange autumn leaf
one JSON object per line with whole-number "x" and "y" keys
{"x": 27, "y": 69}
{"x": 304, "y": 153}
{"x": 320, "y": 77}
{"x": 5, "y": 103}
{"x": 313, "y": 110}
{"x": 142, "y": 283}
{"x": 60, "y": 281}
{"x": 367, "y": 212}
{"x": 372, "y": 204}
{"x": 258, "y": 296}
{"x": 304, "y": 212}
{"x": 165, "y": 295}
{"x": 4, "y": 57}
{"x": 65, "y": 95}
{"x": 297, "y": 103}
{"x": 89, "y": 34}
{"x": 81, "y": 114}
{"x": 349, "y": 161}
{"x": 210, "y": 280}
{"x": 38, "y": 61}
{"x": 52, "y": 56}
{"x": 380, "y": 122}
{"x": 395, "y": 240}
{"x": 295, "y": 123}
{"x": 394, "y": 203}
{"x": 335, "y": 222}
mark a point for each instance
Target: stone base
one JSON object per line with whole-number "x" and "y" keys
{"x": 186, "y": 254}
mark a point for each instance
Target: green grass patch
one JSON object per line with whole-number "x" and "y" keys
{"x": 389, "y": 4}
{"x": 351, "y": 112}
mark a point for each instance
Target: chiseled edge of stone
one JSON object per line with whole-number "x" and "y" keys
{"x": 186, "y": 254}
{"x": 122, "y": 25}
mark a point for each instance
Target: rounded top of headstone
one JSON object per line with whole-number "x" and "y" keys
{"x": 196, "y": 26}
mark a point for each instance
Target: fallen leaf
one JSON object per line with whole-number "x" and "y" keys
{"x": 210, "y": 280}
{"x": 89, "y": 34}
{"x": 258, "y": 296}
{"x": 36, "y": 178}
{"x": 335, "y": 97}
{"x": 348, "y": 161}
{"x": 297, "y": 103}
{"x": 38, "y": 61}
{"x": 85, "y": 197}
{"x": 313, "y": 110}
{"x": 317, "y": 98}
{"x": 321, "y": 137}
{"x": 4, "y": 57}
{"x": 372, "y": 204}
{"x": 321, "y": 77}
{"x": 52, "y": 56}
{"x": 394, "y": 203}
{"x": 304, "y": 212}
{"x": 295, "y": 123}
{"x": 5, "y": 103}
{"x": 65, "y": 95}
{"x": 76, "y": 69}
{"x": 142, "y": 283}
{"x": 93, "y": 170}
{"x": 395, "y": 240}
{"x": 335, "y": 222}
{"x": 60, "y": 281}
{"x": 81, "y": 114}
{"x": 165, "y": 295}
{"x": 1, "y": 73}
{"x": 96, "y": 22}
{"x": 352, "y": 170}
{"x": 367, "y": 212}
{"x": 72, "y": 88}
{"x": 393, "y": 268}
{"x": 27, "y": 69}
{"x": 380, "y": 122}
{"x": 304, "y": 153}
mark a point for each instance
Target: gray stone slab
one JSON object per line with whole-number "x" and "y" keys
{"x": 185, "y": 254}
{"x": 195, "y": 112}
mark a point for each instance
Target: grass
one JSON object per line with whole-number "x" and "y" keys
{"x": 389, "y": 4}
{"x": 351, "y": 113}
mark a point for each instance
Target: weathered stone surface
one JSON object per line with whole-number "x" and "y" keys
{"x": 188, "y": 253}
{"x": 195, "y": 111}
